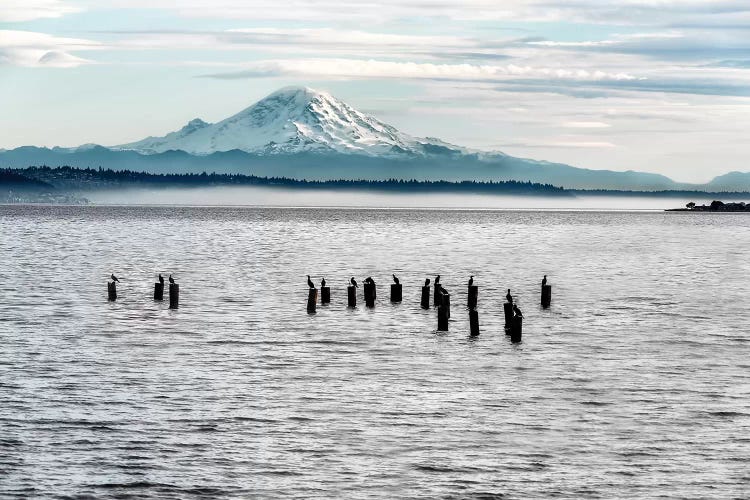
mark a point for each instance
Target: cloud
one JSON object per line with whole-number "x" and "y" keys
{"x": 12, "y": 11}
{"x": 586, "y": 125}
{"x": 31, "y": 49}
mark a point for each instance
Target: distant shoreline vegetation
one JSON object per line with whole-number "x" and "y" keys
{"x": 48, "y": 184}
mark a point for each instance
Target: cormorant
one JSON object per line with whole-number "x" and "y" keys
{"x": 427, "y": 282}
{"x": 437, "y": 279}
{"x": 171, "y": 279}
{"x": 322, "y": 283}
{"x": 509, "y": 297}
{"x": 517, "y": 311}
{"x": 395, "y": 279}
{"x": 471, "y": 280}
{"x": 544, "y": 280}
{"x": 309, "y": 282}
{"x": 161, "y": 279}
{"x": 353, "y": 282}
{"x": 370, "y": 280}
{"x": 114, "y": 278}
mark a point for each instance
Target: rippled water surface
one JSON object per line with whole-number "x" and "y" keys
{"x": 635, "y": 383}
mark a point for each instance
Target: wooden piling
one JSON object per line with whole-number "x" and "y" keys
{"x": 436, "y": 300}
{"x": 159, "y": 291}
{"x": 516, "y": 329}
{"x": 395, "y": 292}
{"x": 474, "y": 322}
{"x": 174, "y": 295}
{"x": 473, "y": 295}
{"x": 369, "y": 294}
{"x": 325, "y": 294}
{"x": 546, "y": 295}
{"x": 446, "y": 302}
{"x": 111, "y": 291}
{"x": 312, "y": 300}
{"x": 351, "y": 293}
{"x": 425, "y": 297}
{"x": 443, "y": 315}
{"x": 508, "y": 309}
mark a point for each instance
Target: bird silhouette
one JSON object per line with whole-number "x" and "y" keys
{"x": 471, "y": 280}
{"x": 509, "y": 297}
{"x": 517, "y": 311}
{"x": 171, "y": 279}
{"x": 370, "y": 280}
{"x": 353, "y": 282}
{"x": 437, "y": 279}
{"x": 544, "y": 280}
{"x": 395, "y": 279}
{"x": 427, "y": 282}
{"x": 114, "y": 278}
{"x": 309, "y": 282}
{"x": 161, "y": 279}
{"x": 322, "y": 283}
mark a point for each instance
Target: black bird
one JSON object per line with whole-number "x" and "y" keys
{"x": 544, "y": 280}
{"x": 353, "y": 282}
{"x": 437, "y": 279}
{"x": 395, "y": 279}
{"x": 471, "y": 280}
{"x": 161, "y": 279}
{"x": 517, "y": 311}
{"x": 509, "y": 297}
{"x": 114, "y": 278}
{"x": 171, "y": 279}
{"x": 322, "y": 283}
{"x": 309, "y": 282}
{"x": 427, "y": 282}
{"x": 370, "y": 280}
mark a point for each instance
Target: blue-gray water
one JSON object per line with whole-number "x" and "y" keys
{"x": 636, "y": 383}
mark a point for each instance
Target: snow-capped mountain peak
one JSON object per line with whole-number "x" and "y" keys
{"x": 293, "y": 120}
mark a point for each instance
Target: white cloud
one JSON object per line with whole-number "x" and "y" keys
{"x": 586, "y": 125}
{"x": 28, "y": 10}
{"x": 31, "y": 49}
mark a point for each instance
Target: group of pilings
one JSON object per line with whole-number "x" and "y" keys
{"x": 441, "y": 300}
{"x": 174, "y": 293}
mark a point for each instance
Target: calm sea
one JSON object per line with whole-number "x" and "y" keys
{"x": 634, "y": 384}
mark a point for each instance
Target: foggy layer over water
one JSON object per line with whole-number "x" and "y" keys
{"x": 634, "y": 384}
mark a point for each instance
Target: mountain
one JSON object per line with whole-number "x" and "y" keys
{"x": 301, "y": 133}
{"x": 732, "y": 181}
{"x": 290, "y": 121}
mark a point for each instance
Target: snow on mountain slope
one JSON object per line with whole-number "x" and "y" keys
{"x": 294, "y": 120}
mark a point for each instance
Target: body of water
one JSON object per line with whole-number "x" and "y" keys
{"x": 634, "y": 384}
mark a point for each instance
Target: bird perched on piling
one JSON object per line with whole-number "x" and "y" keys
{"x": 517, "y": 312}
{"x": 471, "y": 280}
{"x": 395, "y": 279}
{"x": 161, "y": 279}
{"x": 509, "y": 297}
{"x": 370, "y": 280}
{"x": 322, "y": 283}
{"x": 171, "y": 279}
{"x": 427, "y": 282}
{"x": 437, "y": 279}
{"x": 544, "y": 280}
{"x": 114, "y": 278}
{"x": 309, "y": 282}
{"x": 353, "y": 282}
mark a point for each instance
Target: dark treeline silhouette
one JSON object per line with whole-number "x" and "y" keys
{"x": 667, "y": 193}
{"x": 91, "y": 179}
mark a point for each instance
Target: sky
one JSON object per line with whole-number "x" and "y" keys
{"x": 653, "y": 85}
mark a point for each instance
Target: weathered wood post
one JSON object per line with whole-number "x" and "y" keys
{"x": 111, "y": 291}
{"x": 351, "y": 293}
{"x": 442, "y": 314}
{"x": 473, "y": 295}
{"x": 447, "y": 303}
{"x": 436, "y": 300}
{"x": 325, "y": 294}
{"x": 546, "y": 295}
{"x": 312, "y": 300}
{"x": 474, "y": 322}
{"x": 159, "y": 291}
{"x": 516, "y": 329}
{"x": 174, "y": 295}
{"x": 425, "y": 297}
{"x": 370, "y": 294}
{"x": 508, "y": 308}
{"x": 395, "y": 292}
